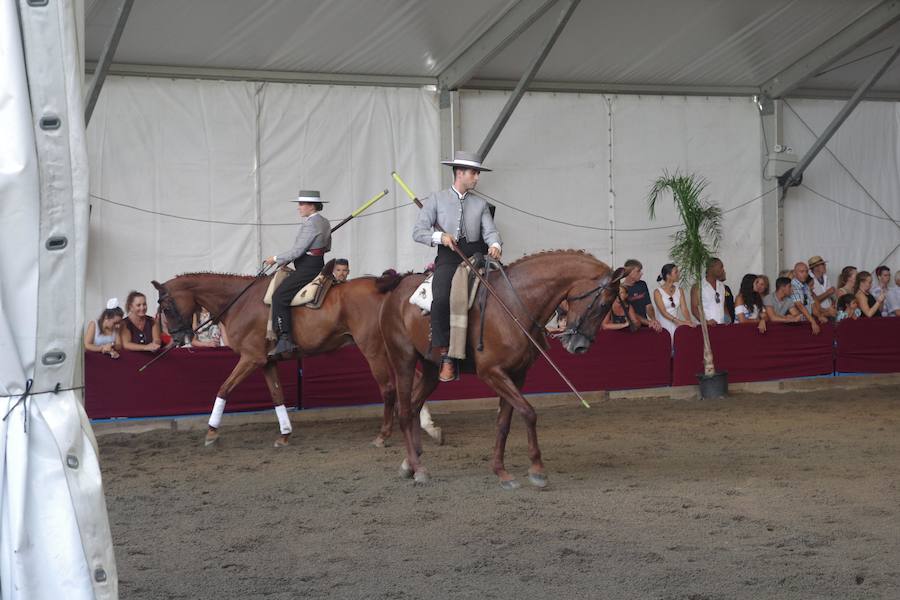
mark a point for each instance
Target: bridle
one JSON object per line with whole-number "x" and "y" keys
{"x": 168, "y": 308}
{"x": 595, "y": 293}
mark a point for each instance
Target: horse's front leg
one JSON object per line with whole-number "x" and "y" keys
{"x": 509, "y": 391}
{"x": 241, "y": 370}
{"x": 424, "y": 384}
{"x": 270, "y": 371}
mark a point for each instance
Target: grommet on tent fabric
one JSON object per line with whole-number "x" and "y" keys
{"x": 50, "y": 122}
{"x": 57, "y": 242}
{"x": 72, "y": 461}
{"x": 38, "y": 3}
{"x": 100, "y": 575}
{"x": 53, "y": 358}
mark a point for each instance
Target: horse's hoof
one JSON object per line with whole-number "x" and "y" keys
{"x": 422, "y": 476}
{"x": 538, "y": 480}
{"x": 405, "y": 471}
{"x": 509, "y": 484}
{"x": 211, "y": 438}
{"x": 378, "y": 442}
{"x": 436, "y": 434}
{"x": 282, "y": 442}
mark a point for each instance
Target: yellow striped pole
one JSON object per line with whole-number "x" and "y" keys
{"x": 360, "y": 210}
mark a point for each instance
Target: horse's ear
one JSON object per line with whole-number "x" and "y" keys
{"x": 157, "y": 285}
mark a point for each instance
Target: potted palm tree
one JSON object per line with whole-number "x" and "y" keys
{"x": 692, "y": 247}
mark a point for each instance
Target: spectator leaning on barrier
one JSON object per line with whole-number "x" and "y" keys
{"x": 780, "y": 307}
{"x": 639, "y": 295}
{"x": 616, "y": 317}
{"x": 711, "y": 292}
{"x": 749, "y": 305}
{"x": 822, "y": 290}
{"x": 868, "y": 304}
{"x": 803, "y": 297}
{"x": 892, "y": 301}
{"x": 882, "y": 283}
{"x": 847, "y": 308}
{"x": 671, "y": 305}
{"x": 103, "y": 335}
{"x": 141, "y": 332}
{"x": 847, "y": 281}
{"x": 210, "y": 336}
{"x": 341, "y": 270}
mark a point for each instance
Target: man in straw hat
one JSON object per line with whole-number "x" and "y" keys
{"x": 308, "y": 253}
{"x": 467, "y": 224}
{"x": 821, "y": 287}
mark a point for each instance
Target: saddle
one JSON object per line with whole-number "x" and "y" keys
{"x": 311, "y": 295}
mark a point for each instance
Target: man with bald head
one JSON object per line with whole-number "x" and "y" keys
{"x": 803, "y": 297}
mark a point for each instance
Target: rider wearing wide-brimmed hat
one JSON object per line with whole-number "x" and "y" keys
{"x": 308, "y": 254}
{"x": 467, "y": 223}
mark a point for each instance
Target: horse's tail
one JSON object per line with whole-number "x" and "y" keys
{"x": 389, "y": 280}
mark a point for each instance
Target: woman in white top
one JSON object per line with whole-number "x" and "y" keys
{"x": 103, "y": 334}
{"x": 668, "y": 300}
{"x": 748, "y": 306}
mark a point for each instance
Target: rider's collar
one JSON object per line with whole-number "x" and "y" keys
{"x": 458, "y": 195}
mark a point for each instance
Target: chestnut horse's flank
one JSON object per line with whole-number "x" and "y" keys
{"x": 349, "y": 314}
{"x": 540, "y": 282}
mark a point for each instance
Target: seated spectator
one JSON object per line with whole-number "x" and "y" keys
{"x": 103, "y": 334}
{"x": 802, "y": 295}
{"x": 712, "y": 294}
{"x": 560, "y": 315}
{"x": 868, "y": 304}
{"x": 617, "y": 318}
{"x": 847, "y": 281}
{"x": 780, "y": 307}
{"x": 749, "y": 305}
{"x": 762, "y": 285}
{"x": 847, "y": 308}
{"x": 892, "y": 300}
{"x": 341, "y": 270}
{"x": 821, "y": 288}
{"x": 208, "y": 337}
{"x": 671, "y": 306}
{"x": 141, "y": 333}
{"x": 639, "y": 295}
{"x": 789, "y": 273}
{"x": 882, "y": 283}
{"x": 729, "y": 305}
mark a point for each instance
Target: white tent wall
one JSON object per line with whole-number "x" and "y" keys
{"x": 555, "y": 156}
{"x": 191, "y": 148}
{"x": 865, "y": 148}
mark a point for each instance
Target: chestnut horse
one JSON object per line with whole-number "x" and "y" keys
{"x": 349, "y": 314}
{"x": 538, "y": 283}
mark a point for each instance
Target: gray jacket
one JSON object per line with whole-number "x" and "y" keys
{"x": 315, "y": 233}
{"x": 444, "y": 208}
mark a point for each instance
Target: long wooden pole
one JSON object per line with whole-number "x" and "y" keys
{"x": 496, "y": 296}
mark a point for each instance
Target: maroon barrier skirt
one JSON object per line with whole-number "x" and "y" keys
{"x": 183, "y": 382}
{"x": 784, "y": 351}
{"x": 616, "y": 360}
{"x": 868, "y": 345}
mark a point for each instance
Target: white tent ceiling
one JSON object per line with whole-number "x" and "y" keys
{"x": 690, "y": 46}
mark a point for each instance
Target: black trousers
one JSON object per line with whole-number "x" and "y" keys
{"x": 444, "y": 267}
{"x": 306, "y": 268}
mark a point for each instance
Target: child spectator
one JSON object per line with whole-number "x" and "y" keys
{"x": 847, "y": 308}
{"x": 141, "y": 333}
{"x": 103, "y": 334}
{"x": 639, "y": 295}
{"x": 208, "y": 337}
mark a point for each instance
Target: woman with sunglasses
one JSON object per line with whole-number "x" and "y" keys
{"x": 748, "y": 304}
{"x": 668, "y": 299}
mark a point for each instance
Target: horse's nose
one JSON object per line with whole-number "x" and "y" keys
{"x": 579, "y": 344}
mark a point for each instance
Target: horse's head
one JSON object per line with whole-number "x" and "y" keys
{"x": 178, "y": 306}
{"x": 589, "y": 301}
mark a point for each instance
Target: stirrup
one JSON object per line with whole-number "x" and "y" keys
{"x": 283, "y": 346}
{"x": 446, "y": 360}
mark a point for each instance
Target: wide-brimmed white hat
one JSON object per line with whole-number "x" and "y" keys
{"x": 467, "y": 160}
{"x": 308, "y": 196}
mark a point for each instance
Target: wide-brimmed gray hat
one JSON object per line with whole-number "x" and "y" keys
{"x": 308, "y": 196}
{"x": 467, "y": 160}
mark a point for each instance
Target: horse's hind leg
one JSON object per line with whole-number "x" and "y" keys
{"x": 504, "y": 421}
{"x": 241, "y": 370}
{"x": 284, "y": 422}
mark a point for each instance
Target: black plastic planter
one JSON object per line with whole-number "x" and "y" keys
{"x": 713, "y": 386}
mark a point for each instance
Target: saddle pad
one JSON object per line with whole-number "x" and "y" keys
{"x": 422, "y": 296}
{"x": 306, "y": 294}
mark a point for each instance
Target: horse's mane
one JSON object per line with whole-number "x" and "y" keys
{"x": 543, "y": 253}
{"x": 214, "y": 274}
{"x": 389, "y": 280}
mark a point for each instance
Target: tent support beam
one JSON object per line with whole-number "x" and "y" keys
{"x": 772, "y": 204}
{"x": 857, "y": 33}
{"x": 568, "y": 7}
{"x": 106, "y": 56}
{"x": 795, "y": 175}
{"x": 497, "y": 37}
{"x": 448, "y": 103}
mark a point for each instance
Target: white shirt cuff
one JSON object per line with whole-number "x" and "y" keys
{"x": 495, "y": 244}
{"x": 436, "y": 238}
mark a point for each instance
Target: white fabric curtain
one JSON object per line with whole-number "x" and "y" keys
{"x": 238, "y": 152}
{"x": 835, "y": 213}
{"x": 54, "y": 532}
{"x": 590, "y": 159}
